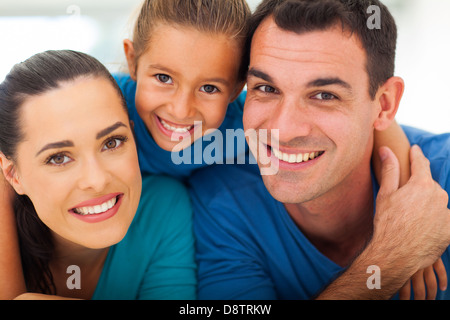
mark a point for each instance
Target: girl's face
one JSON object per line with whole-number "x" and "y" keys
{"x": 78, "y": 162}
{"x": 185, "y": 81}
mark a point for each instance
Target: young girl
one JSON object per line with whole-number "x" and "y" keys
{"x": 186, "y": 74}
{"x": 77, "y": 192}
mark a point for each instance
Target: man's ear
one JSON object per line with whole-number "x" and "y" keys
{"x": 388, "y": 97}
{"x": 130, "y": 55}
{"x": 10, "y": 173}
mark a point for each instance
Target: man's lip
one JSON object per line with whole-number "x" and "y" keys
{"x": 97, "y": 201}
{"x": 293, "y": 151}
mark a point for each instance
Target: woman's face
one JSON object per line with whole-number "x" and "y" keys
{"x": 78, "y": 162}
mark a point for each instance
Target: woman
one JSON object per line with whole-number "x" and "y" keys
{"x": 67, "y": 149}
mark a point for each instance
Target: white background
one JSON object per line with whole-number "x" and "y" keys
{"x": 98, "y": 28}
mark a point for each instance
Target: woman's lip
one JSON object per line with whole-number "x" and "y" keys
{"x": 94, "y": 218}
{"x": 97, "y": 201}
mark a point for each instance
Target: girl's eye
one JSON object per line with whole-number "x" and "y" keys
{"x": 114, "y": 143}
{"x": 267, "y": 89}
{"x": 324, "y": 96}
{"x": 59, "y": 159}
{"x": 209, "y": 88}
{"x": 164, "y": 78}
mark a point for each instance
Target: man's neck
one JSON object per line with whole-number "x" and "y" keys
{"x": 339, "y": 223}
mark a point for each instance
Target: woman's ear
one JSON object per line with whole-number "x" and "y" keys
{"x": 130, "y": 55}
{"x": 10, "y": 173}
{"x": 388, "y": 97}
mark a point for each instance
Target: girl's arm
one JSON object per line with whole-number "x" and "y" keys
{"x": 396, "y": 140}
{"x": 12, "y": 282}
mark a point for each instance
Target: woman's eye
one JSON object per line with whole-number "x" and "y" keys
{"x": 114, "y": 143}
{"x": 209, "y": 89}
{"x": 267, "y": 89}
{"x": 59, "y": 159}
{"x": 324, "y": 96}
{"x": 164, "y": 78}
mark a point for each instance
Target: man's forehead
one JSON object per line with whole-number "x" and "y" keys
{"x": 332, "y": 43}
{"x": 331, "y": 48}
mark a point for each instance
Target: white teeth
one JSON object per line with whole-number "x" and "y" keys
{"x": 96, "y": 209}
{"x": 175, "y": 129}
{"x": 295, "y": 158}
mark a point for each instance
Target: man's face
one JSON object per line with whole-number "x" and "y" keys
{"x": 314, "y": 89}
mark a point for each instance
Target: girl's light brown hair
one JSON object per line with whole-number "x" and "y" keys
{"x": 228, "y": 17}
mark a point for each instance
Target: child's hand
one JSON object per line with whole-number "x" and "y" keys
{"x": 425, "y": 277}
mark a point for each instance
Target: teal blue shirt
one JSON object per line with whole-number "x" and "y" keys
{"x": 155, "y": 260}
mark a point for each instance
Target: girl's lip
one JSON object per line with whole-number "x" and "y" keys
{"x": 97, "y": 201}
{"x": 173, "y": 134}
{"x": 174, "y": 124}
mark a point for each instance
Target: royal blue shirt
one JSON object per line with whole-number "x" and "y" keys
{"x": 248, "y": 246}
{"x": 216, "y": 147}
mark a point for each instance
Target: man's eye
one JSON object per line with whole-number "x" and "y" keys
{"x": 324, "y": 96}
{"x": 267, "y": 89}
{"x": 209, "y": 89}
{"x": 164, "y": 78}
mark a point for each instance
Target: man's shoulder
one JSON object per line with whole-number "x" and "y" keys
{"x": 428, "y": 141}
{"x": 436, "y": 147}
{"x": 221, "y": 179}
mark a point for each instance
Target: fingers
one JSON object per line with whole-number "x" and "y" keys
{"x": 441, "y": 274}
{"x": 431, "y": 283}
{"x": 425, "y": 282}
{"x": 418, "y": 285}
{"x": 420, "y": 165}
{"x": 405, "y": 291}
{"x": 390, "y": 172}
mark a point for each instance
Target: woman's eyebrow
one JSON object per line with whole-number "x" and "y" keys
{"x": 68, "y": 143}
{"x": 56, "y": 145}
{"x": 110, "y": 129}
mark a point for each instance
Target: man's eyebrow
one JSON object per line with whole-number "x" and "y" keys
{"x": 322, "y": 82}
{"x": 56, "y": 145}
{"x": 110, "y": 129}
{"x": 260, "y": 74}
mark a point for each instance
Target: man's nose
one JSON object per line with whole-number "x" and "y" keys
{"x": 292, "y": 120}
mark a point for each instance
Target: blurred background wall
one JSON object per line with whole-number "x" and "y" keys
{"x": 98, "y": 28}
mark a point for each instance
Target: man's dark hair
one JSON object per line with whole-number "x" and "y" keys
{"x": 301, "y": 16}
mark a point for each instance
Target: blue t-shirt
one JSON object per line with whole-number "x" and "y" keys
{"x": 207, "y": 150}
{"x": 155, "y": 259}
{"x": 248, "y": 246}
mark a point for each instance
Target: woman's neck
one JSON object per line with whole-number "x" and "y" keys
{"x": 76, "y": 269}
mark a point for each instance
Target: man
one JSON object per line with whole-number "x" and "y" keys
{"x": 325, "y": 80}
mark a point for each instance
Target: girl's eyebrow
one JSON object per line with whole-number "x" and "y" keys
{"x": 168, "y": 70}
{"x": 68, "y": 143}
